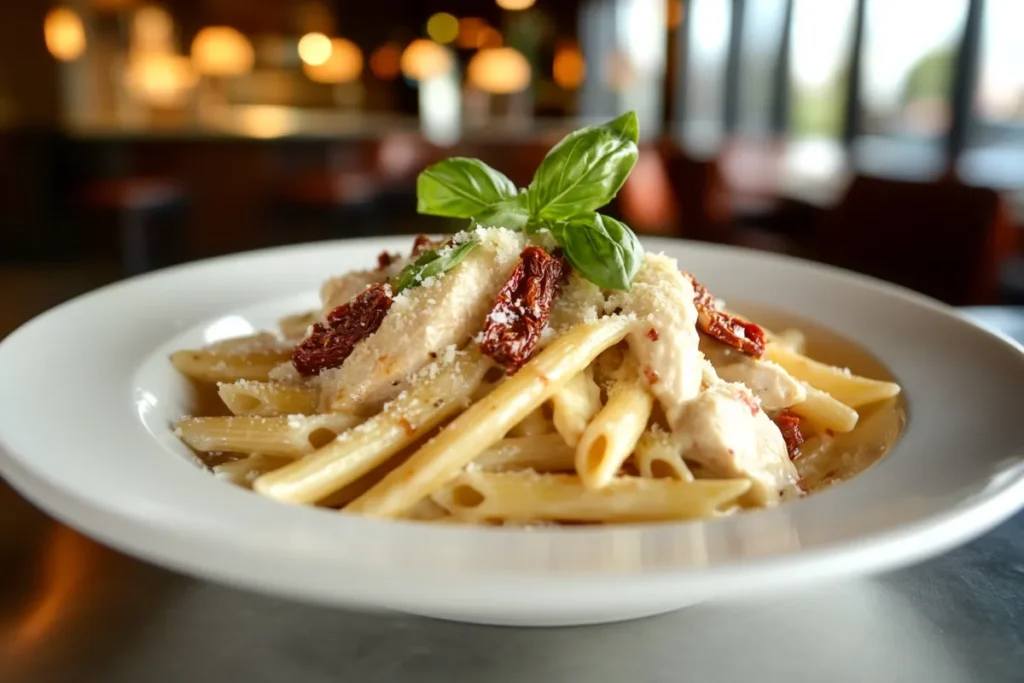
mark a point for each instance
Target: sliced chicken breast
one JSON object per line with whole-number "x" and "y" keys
{"x": 424, "y": 322}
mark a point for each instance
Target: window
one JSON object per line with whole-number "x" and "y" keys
{"x": 910, "y": 52}
{"x": 999, "y": 98}
{"x": 819, "y": 58}
{"x": 707, "y": 26}
{"x": 763, "y": 28}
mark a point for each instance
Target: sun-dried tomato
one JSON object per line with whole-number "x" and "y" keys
{"x": 789, "y": 424}
{"x": 421, "y": 244}
{"x": 741, "y": 335}
{"x": 522, "y": 308}
{"x": 328, "y": 345}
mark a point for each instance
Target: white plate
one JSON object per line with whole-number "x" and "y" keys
{"x": 87, "y": 394}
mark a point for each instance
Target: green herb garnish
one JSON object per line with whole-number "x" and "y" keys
{"x": 579, "y": 175}
{"x": 431, "y": 264}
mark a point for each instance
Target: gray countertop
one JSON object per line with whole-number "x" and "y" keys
{"x": 74, "y": 611}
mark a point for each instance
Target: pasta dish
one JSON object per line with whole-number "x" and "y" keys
{"x": 536, "y": 367}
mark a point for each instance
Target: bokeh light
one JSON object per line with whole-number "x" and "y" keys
{"x": 487, "y": 37}
{"x": 424, "y": 59}
{"x": 469, "y": 30}
{"x": 344, "y": 63}
{"x": 222, "y": 51}
{"x": 64, "y": 33}
{"x": 314, "y": 48}
{"x": 499, "y": 70}
{"x": 515, "y": 4}
{"x": 386, "y": 62}
{"x": 569, "y": 67}
{"x": 443, "y": 27}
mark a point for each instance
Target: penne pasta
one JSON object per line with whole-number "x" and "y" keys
{"x": 843, "y": 386}
{"x": 295, "y": 326}
{"x": 541, "y": 453}
{"x": 245, "y": 470}
{"x": 825, "y": 412}
{"x": 534, "y": 424}
{"x": 575, "y": 406}
{"x": 402, "y": 422}
{"x": 487, "y": 421}
{"x": 269, "y": 398}
{"x": 526, "y": 496}
{"x": 288, "y": 436}
{"x": 612, "y": 435}
{"x": 658, "y": 455}
{"x": 215, "y": 366}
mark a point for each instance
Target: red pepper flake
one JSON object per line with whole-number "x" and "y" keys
{"x": 741, "y": 335}
{"x": 751, "y": 402}
{"x": 789, "y": 424}
{"x": 800, "y": 484}
{"x": 652, "y": 334}
{"x": 522, "y": 308}
{"x": 651, "y": 375}
{"x": 830, "y": 431}
{"x": 329, "y": 345}
{"x": 406, "y": 426}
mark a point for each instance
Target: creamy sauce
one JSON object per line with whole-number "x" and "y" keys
{"x": 827, "y": 460}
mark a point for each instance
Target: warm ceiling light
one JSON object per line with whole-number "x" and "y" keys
{"x": 515, "y": 4}
{"x": 152, "y": 30}
{"x": 443, "y": 27}
{"x": 64, "y": 33}
{"x": 499, "y": 70}
{"x": 159, "y": 79}
{"x": 386, "y": 62}
{"x": 222, "y": 51}
{"x": 488, "y": 37}
{"x": 569, "y": 68}
{"x": 424, "y": 59}
{"x": 314, "y": 48}
{"x": 469, "y": 29}
{"x": 344, "y": 65}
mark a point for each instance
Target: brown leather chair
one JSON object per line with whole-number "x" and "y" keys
{"x": 943, "y": 238}
{"x": 701, "y": 196}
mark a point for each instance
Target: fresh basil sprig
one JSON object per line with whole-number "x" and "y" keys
{"x": 461, "y": 188}
{"x": 605, "y": 250}
{"x": 585, "y": 170}
{"x": 431, "y": 264}
{"x": 579, "y": 175}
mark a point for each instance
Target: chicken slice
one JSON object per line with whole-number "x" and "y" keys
{"x": 664, "y": 340}
{"x": 771, "y": 383}
{"x": 731, "y": 436}
{"x": 424, "y": 322}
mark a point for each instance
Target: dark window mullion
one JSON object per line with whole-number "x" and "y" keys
{"x": 731, "y": 99}
{"x": 779, "y": 124}
{"x": 682, "y": 54}
{"x": 851, "y": 119}
{"x": 965, "y": 77}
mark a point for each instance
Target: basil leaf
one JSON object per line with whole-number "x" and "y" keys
{"x": 431, "y": 264}
{"x": 585, "y": 170}
{"x": 461, "y": 188}
{"x": 511, "y": 213}
{"x": 604, "y": 250}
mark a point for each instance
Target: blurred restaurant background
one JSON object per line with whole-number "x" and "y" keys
{"x": 885, "y": 136}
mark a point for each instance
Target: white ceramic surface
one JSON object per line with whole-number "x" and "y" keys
{"x": 87, "y": 393}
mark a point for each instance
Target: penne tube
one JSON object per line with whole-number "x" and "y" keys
{"x": 658, "y": 455}
{"x": 294, "y": 326}
{"x": 245, "y": 470}
{"x": 542, "y": 453}
{"x": 852, "y": 390}
{"x": 526, "y": 496}
{"x": 534, "y": 424}
{"x": 269, "y": 398}
{"x": 575, "y": 406}
{"x": 825, "y": 412}
{"x": 443, "y": 391}
{"x": 215, "y": 366}
{"x": 488, "y": 420}
{"x": 612, "y": 435}
{"x": 790, "y": 339}
{"x": 288, "y": 436}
